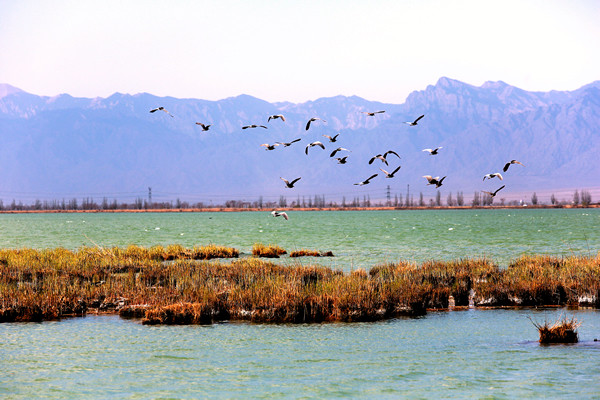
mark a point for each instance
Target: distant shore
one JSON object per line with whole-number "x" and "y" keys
{"x": 254, "y": 209}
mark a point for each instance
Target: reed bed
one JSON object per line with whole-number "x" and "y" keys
{"x": 564, "y": 330}
{"x": 310, "y": 253}
{"x": 268, "y": 251}
{"x": 174, "y": 285}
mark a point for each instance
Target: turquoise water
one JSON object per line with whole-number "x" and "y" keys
{"x": 358, "y": 239}
{"x": 460, "y": 354}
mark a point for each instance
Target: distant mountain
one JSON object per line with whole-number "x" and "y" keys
{"x": 64, "y": 147}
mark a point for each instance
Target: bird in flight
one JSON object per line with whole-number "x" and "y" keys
{"x": 314, "y": 144}
{"x": 313, "y": 119}
{"x": 336, "y": 150}
{"x": 390, "y": 152}
{"x": 279, "y": 214}
{"x": 434, "y": 181}
{"x": 509, "y": 163}
{"x": 390, "y": 174}
{"x": 371, "y": 114}
{"x": 204, "y": 127}
{"x": 490, "y": 176}
{"x": 433, "y": 152}
{"x": 289, "y": 143}
{"x": 254, "y": 126}
{"x": 415, "y": 121}
{"x": 496, "y": 192}
{"x": 378, "y": 157}
{"x": 342, "y": 160}
{"x": 275, "y": 117}
{"x": 288, "y": 183}
{"x": 332, "y": 139}
{"x": 160, "y": 109}
{"x": 270, "y": 146}
{"x": 366, "y": 181}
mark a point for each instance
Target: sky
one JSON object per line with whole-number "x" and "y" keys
{"x": 294, "y": 50}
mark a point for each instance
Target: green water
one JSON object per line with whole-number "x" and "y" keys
{"x": 460, "y": 355}
{"x": 357, "y": 238}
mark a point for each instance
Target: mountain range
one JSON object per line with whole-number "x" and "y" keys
{"x": 64, "y": 147}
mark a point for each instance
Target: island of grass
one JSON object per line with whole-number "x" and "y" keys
{"x": 175, "y": 285}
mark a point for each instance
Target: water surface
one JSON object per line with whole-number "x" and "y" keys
{"x": 359, "y": 239}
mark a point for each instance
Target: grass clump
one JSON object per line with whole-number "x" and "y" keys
{"x": 564, "y": 330}
{"x": 310, "y": 253}
{"x": 270, "y": 251}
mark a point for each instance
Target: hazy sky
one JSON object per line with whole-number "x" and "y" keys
{"x": 294, "y": 50}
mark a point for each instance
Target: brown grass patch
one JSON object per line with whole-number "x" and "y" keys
{"x": 310, "y": 253}
{"x": 270, "y": 251}
{"x": 564, "y": 330}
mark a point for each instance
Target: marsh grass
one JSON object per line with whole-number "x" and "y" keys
{"x": 269, "y": 251}
{"x": 310, "y": 253}
{"x": 564, "y": 330}
{"x": 176, "y": 285}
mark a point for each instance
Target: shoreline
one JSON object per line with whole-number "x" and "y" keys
{"x": 252, "y": 209}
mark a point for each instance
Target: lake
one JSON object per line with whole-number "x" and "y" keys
{"x": 358, "y": 239}
{"x": 458, "y": 354}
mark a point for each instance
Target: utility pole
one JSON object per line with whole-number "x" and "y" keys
{"x": 388, "y": 195}
{"x": 407, "y": 195}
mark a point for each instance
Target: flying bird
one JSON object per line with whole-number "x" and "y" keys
{"x": 313, "y": 119}
{"x": 415, "y": 121}
{"x": 433, "y": 152}
{"x": 290, "y": 184}
{"x": 342, "y": 160}
{"x": 336, "y": 150}
{"x": 371, "y": 114}
{"x": 434, "y": 181}
{"x": 508, "y": 164}
{"x": 378, "y": 157}
{"x": 204, "y": 127}
{"x": 494, "y": 193}
{"x": 254, "y": 126}
{"x": 270, "y": 146}
{"x": 280, "y": 214}
{"x": 390, "y": 152}
{"x": 390, "y": 174}
{"x": 275, "y": 117}
{"x": 332, "y": 139}
{"x": 160, "y": 109}
{"x": 314, "y": 144}
{"x": 289, "y": 143}
{"x": 366, "y": 181}
{"x": 490, "y": 176}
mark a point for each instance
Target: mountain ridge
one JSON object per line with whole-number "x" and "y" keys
{"x": 60, "y": 145}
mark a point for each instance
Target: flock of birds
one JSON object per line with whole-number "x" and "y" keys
{"x": 437, "y": 181}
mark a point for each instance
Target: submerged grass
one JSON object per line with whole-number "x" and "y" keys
{"x": 39, "y": 285}
{"x": 310, "y": 253}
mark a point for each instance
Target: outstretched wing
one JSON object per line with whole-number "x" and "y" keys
{"x": 391, "y": 152}
{"x": 499, "y": 189}
{"x": 417, "y": 120}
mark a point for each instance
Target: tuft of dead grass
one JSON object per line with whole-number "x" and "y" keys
{"x": 564, "y": 330}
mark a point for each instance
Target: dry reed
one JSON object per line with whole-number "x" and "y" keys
{"x": 137, "y": 282}
{"x": 310, "y": 253}
{"x": 270, "y": 251}
{"x": 564, "y": 330}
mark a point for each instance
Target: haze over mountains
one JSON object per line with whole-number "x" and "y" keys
{"x": 64, "y": 147}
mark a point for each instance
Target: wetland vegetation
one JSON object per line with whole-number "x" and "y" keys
{"x": 178, "y": 285}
